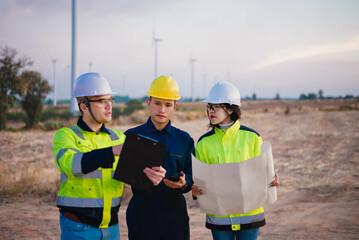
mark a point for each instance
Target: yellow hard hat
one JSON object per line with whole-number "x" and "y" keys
{"x": 165, "y": 88}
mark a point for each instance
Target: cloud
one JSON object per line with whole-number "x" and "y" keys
{"x": 300, "y": 53}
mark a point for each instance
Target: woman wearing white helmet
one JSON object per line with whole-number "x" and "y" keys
{"x": 229, "y": 142}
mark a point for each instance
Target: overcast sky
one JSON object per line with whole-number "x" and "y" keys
{"x": 263, "y": 47}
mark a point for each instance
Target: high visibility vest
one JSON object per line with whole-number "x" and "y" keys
{"x": 236, "y": 144}
{"x": 96, "y": 189}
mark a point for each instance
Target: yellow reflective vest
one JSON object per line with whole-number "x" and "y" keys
{"x": 96, "y": 189}
{"x": 235, "y": 144}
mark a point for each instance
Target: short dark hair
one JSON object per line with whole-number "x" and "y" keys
{"x": 236, "y": 115}
{"x": 165, "y": 99}
{"x": 79, "y": 101}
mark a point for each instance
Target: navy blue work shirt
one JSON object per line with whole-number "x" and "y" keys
{"x": 162, "y": 213}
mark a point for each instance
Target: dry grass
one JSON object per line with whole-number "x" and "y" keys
{"x": 27, "y": 159}
{"x": 316, "y": 152}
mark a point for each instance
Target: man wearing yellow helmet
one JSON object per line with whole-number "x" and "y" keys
{"x": 162, "y": 214}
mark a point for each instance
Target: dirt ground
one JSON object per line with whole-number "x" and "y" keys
{"x": 316, "y": 154}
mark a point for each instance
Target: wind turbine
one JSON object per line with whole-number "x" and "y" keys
{"x": 73, "y": 105}
{"x": 191, "y": 62}
{"x": 155, "y": 42}
{"x": 68, "y": 83}
{"x": 55, "y": 88}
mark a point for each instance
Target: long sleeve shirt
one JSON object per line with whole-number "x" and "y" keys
{"x": 163, "y": 205}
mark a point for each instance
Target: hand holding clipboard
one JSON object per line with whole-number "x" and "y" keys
{"x": 140, "y": 162}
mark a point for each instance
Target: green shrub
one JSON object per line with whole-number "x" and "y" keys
{"x": 50, "y": 113}
{"x": 346, "y": 108}
{"x": 116, "y": 112}
{"x": 50, "y": 125}
{"x": 54, "y": 113}
{"x": 66, "y": 115}
{"x": 132, "y": 106}
{"x": 16, "y": 116}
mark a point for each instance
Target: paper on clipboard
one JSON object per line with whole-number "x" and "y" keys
{"x": 233, "y": 188}
{"x": 138, "y": 152}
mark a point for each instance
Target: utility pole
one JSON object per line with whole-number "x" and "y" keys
{"x": 55, "y": 88}
{"x": 73, "y": 105}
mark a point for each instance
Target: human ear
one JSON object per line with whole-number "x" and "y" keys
{"x": 83, "y": 107}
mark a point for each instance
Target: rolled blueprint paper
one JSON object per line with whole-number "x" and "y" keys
{"x": 233, "y": 188}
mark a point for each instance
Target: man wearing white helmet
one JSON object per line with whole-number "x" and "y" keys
{"x": 86, "y": 154}
{"x": 229, "y": 142}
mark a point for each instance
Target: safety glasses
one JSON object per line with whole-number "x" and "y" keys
{"x": 104, "y": 101}
{"x": 214, "y": 107}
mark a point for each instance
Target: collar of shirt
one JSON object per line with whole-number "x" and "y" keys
{"x": 151, "y": 128}
{"x": 83, "y": 126}
{"x": 229, "y": 131}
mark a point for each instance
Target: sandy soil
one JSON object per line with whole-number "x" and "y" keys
{"x": 316, "y": 154}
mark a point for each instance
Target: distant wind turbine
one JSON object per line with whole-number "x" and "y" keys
{"x": 55, "y": 88}
{"x": 73, "y": 105}
{"x": 155, "y": 42}
{"x": 204, "y": 85}
{"x": 191, "y": 62}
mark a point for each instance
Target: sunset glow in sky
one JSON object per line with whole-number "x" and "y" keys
{"x": 264, "y": 47}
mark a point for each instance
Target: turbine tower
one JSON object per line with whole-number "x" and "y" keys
{"x": 55, "y": 88}
{"x": 155, "y": 42}
{"x": 191, "y": 62}
{"x": 73, "y": 105}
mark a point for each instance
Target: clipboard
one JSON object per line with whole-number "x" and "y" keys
{"x": 139, "y": 152}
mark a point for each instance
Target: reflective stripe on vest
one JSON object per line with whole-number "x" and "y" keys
{"x": 93, "y": 174}
{"x": 76, "y": 165}
{"x": 85, "y": 202}
{"x": 77, "y": 132}
{"x": 235, "y": 221}
{"x": 113, "y": 135}
{"x": 62, "y": 152}
{"x": 96, "y": 189}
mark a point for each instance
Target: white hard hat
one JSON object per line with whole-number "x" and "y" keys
{"x": 91, "y": 84}
{"x": 224, "y": 92}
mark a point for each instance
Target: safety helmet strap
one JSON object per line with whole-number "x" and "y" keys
{"x": 87, "y": 103}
